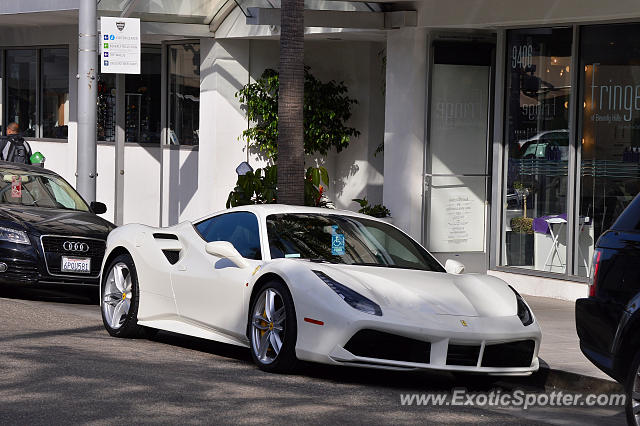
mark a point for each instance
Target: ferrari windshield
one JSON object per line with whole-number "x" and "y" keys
{"x": 29, "y": 188}
{"x": 345, "y": 239}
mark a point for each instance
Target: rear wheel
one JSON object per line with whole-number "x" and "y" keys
{"x": 273, "y": 330}
{"x": 119, "y": 298}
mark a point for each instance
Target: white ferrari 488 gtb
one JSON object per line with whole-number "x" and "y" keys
{"x": 300, "y": 283}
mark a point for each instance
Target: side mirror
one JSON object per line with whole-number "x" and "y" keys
{"x": 453, "y": 267}
{"x": 97, "y": 207}
{"x": 226, "y": 250}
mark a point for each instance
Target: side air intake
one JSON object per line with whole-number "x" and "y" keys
{"x": 170, "y": 246}
{"x": 172, "y": 256}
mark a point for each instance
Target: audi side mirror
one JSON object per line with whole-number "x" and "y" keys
{"x": 97, "y": 207}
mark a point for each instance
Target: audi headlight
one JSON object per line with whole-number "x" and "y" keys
{"x": 353, "y": 298}
{"x": 524, "y": 313}
{"x": 13, "y": 236}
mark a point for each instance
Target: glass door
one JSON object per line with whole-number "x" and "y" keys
{"x": 457, "y": 178}
{"x": 535, "y": 217}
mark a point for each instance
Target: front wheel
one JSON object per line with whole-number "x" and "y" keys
{"x": 632, "y": 387}
{"x": 119, "y": 297}
{"x": 273, "y": 329}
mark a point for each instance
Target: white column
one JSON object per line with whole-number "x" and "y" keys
{"x": 224, "y": 70}
{"x": 404, "y": 136}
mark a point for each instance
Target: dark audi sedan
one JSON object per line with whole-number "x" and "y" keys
{"x": 48, "y": 234}
{"x": 608, "y": 321}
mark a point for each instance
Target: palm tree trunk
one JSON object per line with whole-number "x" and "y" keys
{"x": 290, "y": 104}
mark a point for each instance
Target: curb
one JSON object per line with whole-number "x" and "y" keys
{"x": 551, "y": 379}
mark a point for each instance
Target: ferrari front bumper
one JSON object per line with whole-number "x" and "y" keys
{"x": 490, "y": 345}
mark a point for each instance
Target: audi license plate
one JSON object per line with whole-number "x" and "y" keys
{"x": 76, "y": 264}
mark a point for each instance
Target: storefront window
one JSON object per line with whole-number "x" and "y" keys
{"x": 610, "y": 157}
{"x": 106, "y": 114}
{"x": 142, "y": 101}
{"x": 537, "y": 144}
{"x": 143, "y": 93}
{"x": 184, "y": 94}
{"x": 21, "y": 75}
{"x": 55, "y": 93}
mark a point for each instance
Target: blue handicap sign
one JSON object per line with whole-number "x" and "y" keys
{"x": 337, "y": 244}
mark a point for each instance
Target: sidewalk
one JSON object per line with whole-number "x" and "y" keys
{"x": 560, "y": 351}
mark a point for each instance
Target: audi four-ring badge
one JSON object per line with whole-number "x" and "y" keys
{"x": 75, "y": 246}
{"x": 302, "y": 283}
{"x": 49, "y": 236}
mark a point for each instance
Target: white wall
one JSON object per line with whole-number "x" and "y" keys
{"x": 355, "y": 172}
{"x": 224, "y": 70}
{"x": 405, "y": 126}
{"x": 229, "y": 64}
{"x": 180, "y": 186}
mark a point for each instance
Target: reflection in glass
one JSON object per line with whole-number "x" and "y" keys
{"x": 345, "y": 240}
{"x": 538, "y": 87}
{"x": 610, "y": 157}
{"x": 55, "y": 92}
{"x": 38, "y": 190}
{"x": 21, "y": 75}
{"x": 142, "y": 100}
{"x": 184, "y": 94}
{"x": 106, "y": 114}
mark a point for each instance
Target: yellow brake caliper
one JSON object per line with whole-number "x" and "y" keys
{"x": 265, "y": 324}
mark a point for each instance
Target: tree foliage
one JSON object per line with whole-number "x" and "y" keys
{"x": 259, "y": 187}
{"x": 375, "y": 210}
{"x": 327, "y": 107}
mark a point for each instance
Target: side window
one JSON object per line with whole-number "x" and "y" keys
{"x": 239, "y": 228}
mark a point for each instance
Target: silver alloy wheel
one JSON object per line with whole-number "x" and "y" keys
{"x": 267, "y": 326}
{"x": 635, "y": 397}
{"x": 116, "y": 299}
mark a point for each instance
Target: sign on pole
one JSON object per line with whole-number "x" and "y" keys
{"x": 120, "y": 45}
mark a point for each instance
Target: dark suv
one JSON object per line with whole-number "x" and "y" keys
{"x": 608, "y": 321}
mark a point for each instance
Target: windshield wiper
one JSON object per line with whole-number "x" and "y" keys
{"x": 388, "y": 265}
{"x": 318, "y": 260}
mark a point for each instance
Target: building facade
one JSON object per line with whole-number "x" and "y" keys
{"x": 511, "y": 129}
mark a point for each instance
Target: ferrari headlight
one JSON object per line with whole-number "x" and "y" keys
{"x": 353, "y": 298}
{"x": 523, "y": 310}
{"x": 13, "y": 236}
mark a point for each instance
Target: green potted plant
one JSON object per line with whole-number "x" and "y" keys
{"x": 327, "y": 110}
{"x": 375, "y": 210}
{"x": 519, "y": 244}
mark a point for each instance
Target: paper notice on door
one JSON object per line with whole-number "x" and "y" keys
{"x": 458, "y": 214}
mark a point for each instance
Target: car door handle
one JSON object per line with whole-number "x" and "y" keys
{"x": 182, "y": 268}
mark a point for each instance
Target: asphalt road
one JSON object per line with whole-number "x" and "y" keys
{"x": 59, "y": 366}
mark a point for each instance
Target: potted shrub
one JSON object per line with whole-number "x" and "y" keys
{"x": 520, "y": 242}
